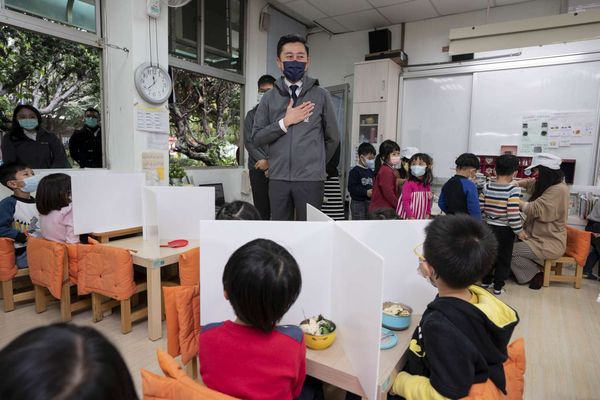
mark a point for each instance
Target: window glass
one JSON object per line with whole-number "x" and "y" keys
{"x": 77, "y": 13}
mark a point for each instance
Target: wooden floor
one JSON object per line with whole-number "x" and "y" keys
{"x": 561, "y": 327}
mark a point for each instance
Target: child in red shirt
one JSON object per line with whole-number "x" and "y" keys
{"x": 385, "y": 186}
{"x": 252, "y": 357}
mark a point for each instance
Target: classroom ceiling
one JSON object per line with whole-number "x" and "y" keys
{"x": 341, "y": 16}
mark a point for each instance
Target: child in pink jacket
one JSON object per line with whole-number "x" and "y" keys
{"x": 53, "y": 201}
{"x": 416, "y": 199}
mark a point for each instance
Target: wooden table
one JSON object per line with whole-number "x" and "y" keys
{"x": 104, "y": 237}
{"x": 332, "y": 366}
{"x": 152, "y": 258}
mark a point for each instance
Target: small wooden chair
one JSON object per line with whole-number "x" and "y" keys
{"x": 49, "y": 270}
{"x": 107, "y": 274}
{"x": 10, "y": 273}
{"x": 578, "y": 249}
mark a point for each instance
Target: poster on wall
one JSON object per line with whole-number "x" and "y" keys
{"x": 151, "y": 119}
{"x": 534, "y": 133}
{"x": 577, "y": 126}
{"x": 153, "y": 167}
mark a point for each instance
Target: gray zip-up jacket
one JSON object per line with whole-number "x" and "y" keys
{"x": 302, "y": 153}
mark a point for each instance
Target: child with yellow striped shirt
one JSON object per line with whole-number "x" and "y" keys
{"x": 500, "y": 210}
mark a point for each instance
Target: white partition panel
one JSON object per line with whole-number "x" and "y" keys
{"x": 356, "y": 301}
{"x": 315, "y": 215}
{"x": 395, "y": 241}
{"x": 150, "y": 216}
{"x": 309, "y": 243}
{"x": 179, "y": 208}
{"x": 106, "y": 201}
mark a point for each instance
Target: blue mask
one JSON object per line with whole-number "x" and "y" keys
{"x": 418, "y": 170}
{"x": 28, "y": 123}
{"x": 294, "y": 70}
{"x": 370, "y": 164}
{"x": 31, "y": 184}
{"x": 91, "y": 122}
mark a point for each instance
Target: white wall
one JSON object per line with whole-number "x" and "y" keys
{"x": 333, "y": 56}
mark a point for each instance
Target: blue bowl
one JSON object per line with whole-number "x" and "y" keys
{"x": 396, "y": 322}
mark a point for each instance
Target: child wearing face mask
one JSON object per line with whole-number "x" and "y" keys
{"x": 18, "y": 215}
{"x": 55, "y": 208}
{"x": 385, "y": 189}
{"x": 360, "y": 181}
{"x": 415, "y": 201}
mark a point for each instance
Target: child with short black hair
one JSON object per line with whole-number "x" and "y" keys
{"x": 360, "y": 181}
{"x": 463, "y": 334}
{"x": 459, "y": 194}
{"x": 252, "y": 357}
{"x": 500, "y": 210}
{"x": 240, "y": 211}
{"x": 19, "y": 217}
{"x": 416, "y": 199}
{"x": 55, "y": 207}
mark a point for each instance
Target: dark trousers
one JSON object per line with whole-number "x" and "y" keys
{"x": 260, "y": 192}
{"x": 290, "y": 198}
{"x": 506, "y": 239}
{"x": 359, "y": 209}
{"x": 593, "y": 257}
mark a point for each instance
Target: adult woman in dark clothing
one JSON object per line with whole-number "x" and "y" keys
{"x": 30, "y": 144}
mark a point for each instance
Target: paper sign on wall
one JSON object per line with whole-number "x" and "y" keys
{"x": 151, "y": 119}
{"x": 534, "y": 133}
{"x": 153, "y": 167}
{"x": 578, "y": 126}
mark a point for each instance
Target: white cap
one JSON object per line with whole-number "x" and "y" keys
{"x": 545, "y": 159}
{"x": 408, "y": 152}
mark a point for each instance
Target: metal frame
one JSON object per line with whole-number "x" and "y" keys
{"x": 347, "y": 134}
{"x": 201, "y": 68}
{"x": 39, "y": 25}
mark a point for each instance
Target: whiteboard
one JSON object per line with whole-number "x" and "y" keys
{"x": 435, "y": 118}
{"x": 501, "y": 98}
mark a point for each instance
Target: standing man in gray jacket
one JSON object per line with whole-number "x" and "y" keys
{"x": 297, "y": 120}
{"x": 258, "y": 163}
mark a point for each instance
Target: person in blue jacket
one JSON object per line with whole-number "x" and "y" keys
{"x": 459, "y": 195}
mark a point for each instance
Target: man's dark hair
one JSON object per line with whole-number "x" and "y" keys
{"x": 293, "y": 38}
{"x": 64, "y": 361}
{"x": 9, "y": 171}
{"x": 506, "y": 164}
{"x": 93, "y": 110}
{"x": 460, "y": 249}
{"x": 266, "y": 79}
{"x": 53, "y": 193}
{"x": 467, "y": 160}
{"x": 366, "y": 148}
{"x": 262, "y": 281}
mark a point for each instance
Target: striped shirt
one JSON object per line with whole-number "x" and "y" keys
{"x": 500, "y": 205}
{"x": 333, "y": 203}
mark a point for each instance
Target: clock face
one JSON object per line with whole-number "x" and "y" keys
{"x": 153, "y": 83}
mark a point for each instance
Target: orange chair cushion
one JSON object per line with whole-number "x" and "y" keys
{"x": 189, "y": 267}
{"x": 46, "y": 264}
{"x": 514, "y": 370}
{"x": 175, "y": 384}
{"x": 8, "y": 269}
{"x": 172, "y": 321}
{"x": 578, "y": 244}
{"x": 105, "y": 270}
{"x": 187, "y": 300}
{"x": 73, "y": 264}
{"x": 182, "y": 309}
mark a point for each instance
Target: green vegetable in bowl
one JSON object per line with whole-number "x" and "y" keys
{"x": 317, "y": 326}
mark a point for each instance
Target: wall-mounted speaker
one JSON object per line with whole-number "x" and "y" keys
{"x": 380, "y": 40}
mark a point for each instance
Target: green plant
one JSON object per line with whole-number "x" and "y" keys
{"x": 176, "y": 171}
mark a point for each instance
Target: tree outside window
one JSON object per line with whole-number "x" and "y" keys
{"x": 58, "y": 77}
{"x": 205, "y": 120}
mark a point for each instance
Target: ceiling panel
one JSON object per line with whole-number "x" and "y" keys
{"x": 339, "y": 7}
{"x": 413, "y": 11}
{"x": 369, "y": 19}
{"x": 505, "y": 2}
{"x": 383, "y": 3}
{"x": 447, "y": 7}
{"x": 305, "y": 9}
{"x": 332, "y": 25}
